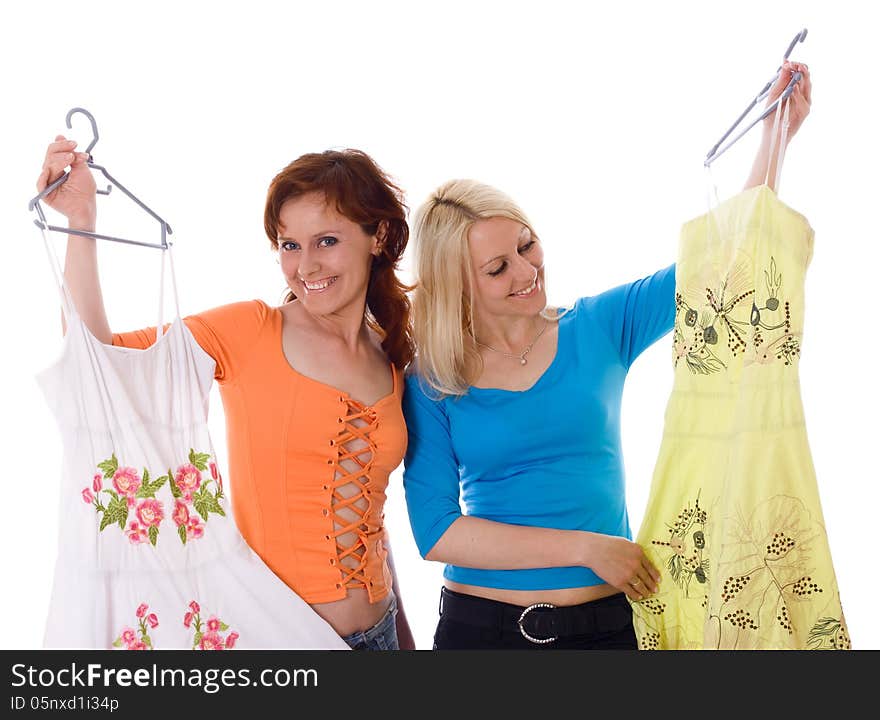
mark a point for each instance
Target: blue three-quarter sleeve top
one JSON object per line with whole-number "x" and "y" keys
{"x": 549, "y": 456}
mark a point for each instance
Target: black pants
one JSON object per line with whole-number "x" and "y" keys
{"x": 468, "y": 622}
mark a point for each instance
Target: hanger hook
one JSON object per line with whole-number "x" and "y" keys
{"x": 800, "y": 37}
{"x": 91, "y": 118}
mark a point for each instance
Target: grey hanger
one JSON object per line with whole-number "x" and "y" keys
{"x": 34, "y": 203}
{"x": 715, "y": 153}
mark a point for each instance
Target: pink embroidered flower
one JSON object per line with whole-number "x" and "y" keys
{"x": 211, "y": 641}
{"x": 130, "y": 501}
{"x": 126, "y": 481}
{"x": 139, "y": 645}
{"x": 180, "y": 514}
{"x": 194, "y": 606}
{"x": 153, "y": 620}
{"x": 230, "y": 640}
{"x": 96, "y": 482}
{"x": 136, "y": 534}
{"x": 213, "y": 624}
{"x": 213, "y": 466}
{"x": 88, "y": 498}
{"x": 129, "y": 637}
{"x": 141, "y": 611}
{"x": 150, "y": 512}
{"x": 187, "y": 619}
{"x": 195, "y": 529}
{"x": 188, "y": 479}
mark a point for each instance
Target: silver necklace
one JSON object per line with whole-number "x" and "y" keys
{"x": 521, "y": 356}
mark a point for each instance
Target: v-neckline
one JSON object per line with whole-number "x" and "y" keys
{"x": 547, "y": 371}
{"x": 327, "y": 386}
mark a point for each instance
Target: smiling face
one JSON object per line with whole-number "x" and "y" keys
{"x": 507, "y": 269}
{"x": 325, "y": 257}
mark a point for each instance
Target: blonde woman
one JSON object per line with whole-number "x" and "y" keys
{"x": 515, "y": 408}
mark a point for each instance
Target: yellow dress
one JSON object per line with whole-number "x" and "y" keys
{"x": 733, "y": 521}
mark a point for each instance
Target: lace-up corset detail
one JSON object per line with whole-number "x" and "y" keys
{"x": 350, "y": 493}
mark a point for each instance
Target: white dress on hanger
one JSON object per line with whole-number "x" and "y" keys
{"x": 149, "y": 556}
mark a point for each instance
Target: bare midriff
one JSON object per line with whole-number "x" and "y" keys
{"x": 354, "y": 613}
{"x": 561, "y": 598}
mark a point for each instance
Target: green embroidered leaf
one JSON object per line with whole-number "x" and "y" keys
{"x": 145, "y": 480}
{"x": 181, "y": 533}
{"x": 200, "y": 460}
{"x": 213, "y": 506}
{"x": 174, "y": 489}
{"x": 202, "y": 506}
{"x": 147, "y": 641}
{"x": 107, "y": 519}
{"x": 154, "y": 534}
{"x": 117, "y": 642}
{"x": 224, "y": 626}
{"x": 109, "y": 466}
{"x": 111, "y": 492}
{"x": 116, "y": 512}
{"x": 197, "y": 639}
{"x": 203, "y": 460}
{"x": 149, "y": 490}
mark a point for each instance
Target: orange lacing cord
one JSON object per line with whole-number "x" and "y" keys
{"x": 347, "y": 433}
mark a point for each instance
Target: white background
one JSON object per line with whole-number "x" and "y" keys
{"x": 595, "y": 118}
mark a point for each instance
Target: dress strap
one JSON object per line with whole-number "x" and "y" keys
{"x": 782, "y": 142}
{"x": 166, "y": 252}
{"x": 67, "y": 304}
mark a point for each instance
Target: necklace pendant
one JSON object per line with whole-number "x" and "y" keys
{"x": 522, "y": 361}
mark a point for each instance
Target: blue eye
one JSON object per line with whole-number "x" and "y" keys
{"x": 289, "y": 245}
{"x": 327, "y": 241}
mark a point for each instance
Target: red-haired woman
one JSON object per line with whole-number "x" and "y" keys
{"x": 311, "y": 389}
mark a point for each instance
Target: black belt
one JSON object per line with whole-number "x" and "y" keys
{"x": 539, "y": 623}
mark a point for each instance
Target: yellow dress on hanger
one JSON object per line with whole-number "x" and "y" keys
{"x": 733, "y": 521}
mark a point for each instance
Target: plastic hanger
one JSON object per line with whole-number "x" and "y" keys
{"x": 34, "y": 204}
{"x": 715, "y": 153}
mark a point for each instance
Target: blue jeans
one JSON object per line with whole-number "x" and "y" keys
{"x": 382, "y": 636}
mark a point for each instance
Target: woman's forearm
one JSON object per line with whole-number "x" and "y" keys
{"x": 81, "y": 277}
{"x": 478, "y": 543}
{"x": 762, "y": 158}
{"x": 404, "y": 633}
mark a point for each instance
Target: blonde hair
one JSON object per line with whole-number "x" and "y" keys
{"x": 447, "y": 357}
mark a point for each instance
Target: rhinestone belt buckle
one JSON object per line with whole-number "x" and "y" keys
{"x": 539, "y": 641}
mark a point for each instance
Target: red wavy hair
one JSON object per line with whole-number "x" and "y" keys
{"x": 360, "y": 190}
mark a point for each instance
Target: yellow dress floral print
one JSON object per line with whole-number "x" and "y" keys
{"x": 733, "y": 521}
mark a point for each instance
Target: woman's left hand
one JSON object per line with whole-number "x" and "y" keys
{"x": 799, "y": 100}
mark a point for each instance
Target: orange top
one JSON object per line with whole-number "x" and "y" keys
{"x": 308, "y": 464}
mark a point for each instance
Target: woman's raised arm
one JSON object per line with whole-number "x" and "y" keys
{"x": 75, "y": 199}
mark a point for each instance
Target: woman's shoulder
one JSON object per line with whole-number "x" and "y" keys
{"x": 417, "y": 388}
{"x": 235, "y": 316}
